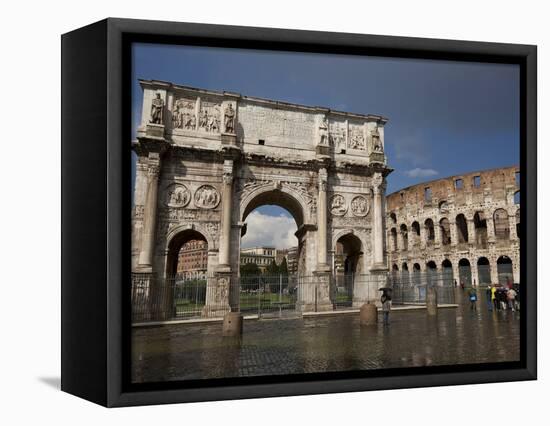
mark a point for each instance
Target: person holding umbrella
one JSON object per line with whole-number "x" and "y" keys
{"x": 386, "y": 303}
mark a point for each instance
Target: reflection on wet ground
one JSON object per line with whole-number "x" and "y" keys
{"x": 337, "y": 343}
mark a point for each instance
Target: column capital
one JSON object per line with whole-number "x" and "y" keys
{"x": 378, "y": 183}
{"x": 228, "y": 171}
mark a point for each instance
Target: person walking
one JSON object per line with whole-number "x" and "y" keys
{"x": 386, "y": 307}
{"x": 489, "y": 296}
{"x": 511, "y": 296}
{"x": 473, "y": 299}
{"x": 494, "y": 296}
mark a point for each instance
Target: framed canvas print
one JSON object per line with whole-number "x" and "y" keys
{"x": 252, "y": 212}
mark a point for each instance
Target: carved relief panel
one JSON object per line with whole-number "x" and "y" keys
{"x": 338, "y": 135}
{"x": 207, "y": 197}
{"x": 177, "y": 195}
{"x": 209, "y": 116}
{"x": 338, "y": 205}
{"x": 356, "y": 137}
{"x": 359, "y": 206}
{"x": 183, "y": 114}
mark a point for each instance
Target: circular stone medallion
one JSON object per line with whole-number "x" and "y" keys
{"x": 207, "y": 197}
{"x": 360, "y": 206}
{"x": 338, "y": 206}
{"x": 177, "y": 195}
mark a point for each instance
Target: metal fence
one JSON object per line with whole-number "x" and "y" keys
{"x": 179, "y": 297}
{"x": 411, "y": 287}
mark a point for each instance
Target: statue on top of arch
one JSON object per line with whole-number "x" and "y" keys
{"x": 157, "y": 110}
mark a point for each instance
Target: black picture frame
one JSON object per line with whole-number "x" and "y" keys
{"x": 96, "y": 209}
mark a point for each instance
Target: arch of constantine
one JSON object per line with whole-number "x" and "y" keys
{"x": 465, "y": 226}
{"x": 206, "y": 160}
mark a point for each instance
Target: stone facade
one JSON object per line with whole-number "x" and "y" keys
{"x": 465, "y": 224}
{"x": 207, "y": 159}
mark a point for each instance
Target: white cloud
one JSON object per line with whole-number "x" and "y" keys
{"x": 418, "y": 172}
{"x": 264, "y": 230}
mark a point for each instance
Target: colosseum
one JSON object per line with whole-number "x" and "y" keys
{"x": 465, "y": 227}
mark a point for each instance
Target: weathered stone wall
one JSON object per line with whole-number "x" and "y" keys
{"x": 484, "y": 193}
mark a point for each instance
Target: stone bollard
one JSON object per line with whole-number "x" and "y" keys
{"x": 368, "y": 314}
{"x": 232, "y": 324}
{"x": 431, "y": 301}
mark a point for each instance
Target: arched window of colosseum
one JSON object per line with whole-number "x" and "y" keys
{"x": 443, "y": 206}
{"x": 505, "y": 270}
{"x": 517, "y": 223}
{"x": 393, "y": 238}
{"x": 405, "y": 236}
{"x": 431, "y": 273}
{"x": 416, "y": 233}
{"x": 502, "y": 224}
{"x": 445, "y": 228}
{"x": 483, "y": 271}
{"x": 516, "y": 197}
{"x": 464, "y": 273}
{"x": 416, "y": 276}
{"x": 430, "y": 232}
{"x": 480, "y": 224}
{"x": 462, "y": 229}
{"x": 405, "y": 273}
{"x": 393, "y": 217}
{"x": 395, "y": 272}
{"x": 447, "y": 273}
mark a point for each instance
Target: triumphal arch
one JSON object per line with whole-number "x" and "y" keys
{"x": 206, "y": 159}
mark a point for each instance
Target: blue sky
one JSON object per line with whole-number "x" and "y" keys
{"x": 445, "y": 117}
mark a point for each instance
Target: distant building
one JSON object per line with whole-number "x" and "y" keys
{"x": 261, "y": 256}
{"x": 291, "y": 256}
{"x": 193, "y": 259}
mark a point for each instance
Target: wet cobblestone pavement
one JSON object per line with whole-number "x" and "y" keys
{"x": 324, "y": 344}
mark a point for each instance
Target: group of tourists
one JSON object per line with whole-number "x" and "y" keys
{"x": 499, "y": 297}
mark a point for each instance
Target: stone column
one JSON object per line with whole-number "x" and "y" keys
{"x": 454, "y": 233}
{"x": 437, "y": 233}
{"x": 512, "y": 224}
{"x": 378, "y": 225}
{"x": 227, "y": 200}
{"x": 150, "y": 213}
{"x": 322, "y": 220}
{"x": 423, "y": 236}
{"x": 494, "y": 271}
{"x": 400, "y": 242}
{"x": 318, "y": 297}
{"x": 474, "y": 271}
{"x": 490, "y": 230}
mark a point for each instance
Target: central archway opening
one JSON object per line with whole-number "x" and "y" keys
{"x": 271, "y": 254}
{"x": 347, "y": 266}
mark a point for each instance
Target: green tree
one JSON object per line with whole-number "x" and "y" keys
{"x": 249, "y": 269}
{"x": 272, "y": 268}
{"x": 283, "y": 267}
